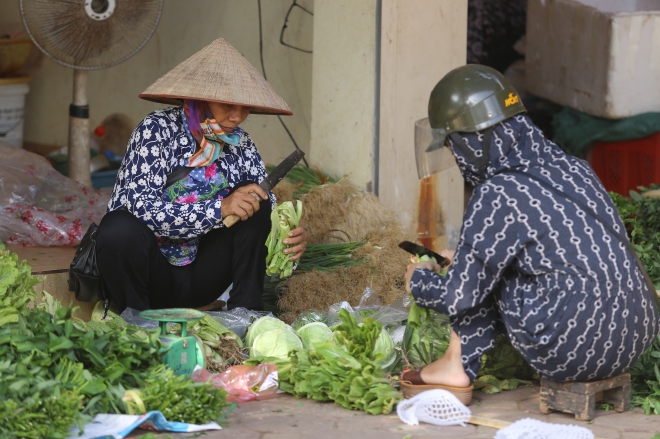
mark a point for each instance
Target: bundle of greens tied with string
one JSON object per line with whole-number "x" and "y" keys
{"x": 284, "y": 218}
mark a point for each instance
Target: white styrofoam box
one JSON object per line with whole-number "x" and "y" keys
{"x": 601, "y": 57}
{"x": 12, "y": 102}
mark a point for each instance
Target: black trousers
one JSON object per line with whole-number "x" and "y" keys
{"x": 138, "y": 276}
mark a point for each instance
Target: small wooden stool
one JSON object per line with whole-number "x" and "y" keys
{"x": 580, "y": 398}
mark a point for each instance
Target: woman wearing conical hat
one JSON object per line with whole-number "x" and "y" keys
{"x": 163, "y": 244}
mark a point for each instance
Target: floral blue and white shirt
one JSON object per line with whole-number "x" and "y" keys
{"x": 181, "y": 214}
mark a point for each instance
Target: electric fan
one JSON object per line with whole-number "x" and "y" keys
{"x": 88, "y": 35}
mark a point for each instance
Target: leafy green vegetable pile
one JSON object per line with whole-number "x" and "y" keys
{"x": 641, "y": 215}
{"x": 46, "y": 358}
{"x": 16, "y": 286}
{"x": 284, "y": 218}
{"x": 503, "y": 368}
{"x": 178, "y": 398}
{"x": 348, "y": 372}
{"x": 426, "y": 341}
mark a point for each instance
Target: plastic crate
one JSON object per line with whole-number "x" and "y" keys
{"x": 623, "y": 166}
{"x": 101, "y": 179}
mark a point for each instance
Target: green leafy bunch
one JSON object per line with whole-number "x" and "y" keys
{"x": 427, "y": 340}
{"x": 16, "y": 286}
{"x": 503, "y": 368}
{"x": 46, "y": 358}
{"x": 284, "y": 218}
{"x": 641, "y": 216}
{"x": 347, "y": 372}
{"x": 179, "y": 398}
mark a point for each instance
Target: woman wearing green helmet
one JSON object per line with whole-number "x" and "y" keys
{"x": 543, "y": 256}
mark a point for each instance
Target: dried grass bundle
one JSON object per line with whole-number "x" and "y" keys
{"x": 339, "y": 212}
{"x": 284, "y": 191}
{"x": 383, "y": 271}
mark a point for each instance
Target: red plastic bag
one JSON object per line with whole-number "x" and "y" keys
{"x": 244, "y": 383}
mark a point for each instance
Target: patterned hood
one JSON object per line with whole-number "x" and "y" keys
{"x": 515, "y": 143}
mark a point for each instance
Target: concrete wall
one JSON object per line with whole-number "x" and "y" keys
{"x": 343, "y": 88}
{"x": 421, "y": 40}
{"x": 375, "y": 64}
{"x": 185, "y": 27}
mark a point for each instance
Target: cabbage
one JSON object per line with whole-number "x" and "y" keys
{"x": 275, "y": 343}
{"x": 315, "y": 332}
{"x": 262, "y": 325}
{"x": 385, "y": 347}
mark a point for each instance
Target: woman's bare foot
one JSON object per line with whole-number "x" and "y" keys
{"x": 448, "y": 370}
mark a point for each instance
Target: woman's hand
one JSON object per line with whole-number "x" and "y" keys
{"x": 298, "y": 240}
{"x": 421, "y": 265}
{"x": 449, "y": 254}
{"x": 241, "y": 202}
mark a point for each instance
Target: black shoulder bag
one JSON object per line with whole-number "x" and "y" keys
{"x": 84, "y": 276}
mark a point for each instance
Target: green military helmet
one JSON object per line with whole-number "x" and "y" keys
{"x": 467, "y": 99}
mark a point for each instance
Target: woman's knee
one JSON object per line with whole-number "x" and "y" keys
{"x": 121, "y": 229}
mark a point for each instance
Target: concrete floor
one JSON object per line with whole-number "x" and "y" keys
{"x": 287, "y": 417}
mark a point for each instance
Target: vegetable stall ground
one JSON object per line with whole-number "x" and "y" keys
{"x": 337, "y": 340}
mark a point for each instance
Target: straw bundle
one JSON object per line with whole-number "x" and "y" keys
{"x": 383, "y": 271}
{"x": 217, "y": 73}
{"x": 339, "y": 212}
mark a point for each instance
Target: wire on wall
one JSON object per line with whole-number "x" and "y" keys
{"x": 284, "y": 26}
{"x": 263, "y": 68}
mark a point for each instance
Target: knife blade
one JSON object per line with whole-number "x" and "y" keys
{"x": 418, "y": 250}
{"x": 268, "y": 183}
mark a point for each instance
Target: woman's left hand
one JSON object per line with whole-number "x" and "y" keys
{"x": 298, "y": 241}
{"x": 422, "y": 265}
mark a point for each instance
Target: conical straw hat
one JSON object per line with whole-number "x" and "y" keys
{"x": 217, "y": 73}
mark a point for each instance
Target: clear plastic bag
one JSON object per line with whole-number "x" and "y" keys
{"x": 244, "y": 383}
{"x": 371, "y": 306}
{"x": 310, "y": 316}
{"x": 238, "y": 319}
{"x": 132, "y": 317}
{"x": 40, "y": 206}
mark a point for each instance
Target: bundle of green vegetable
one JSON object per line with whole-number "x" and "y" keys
{"x": 503, "y": 368}
{"x": 640, "y": 215}
{"x": 329, "y": 257}
{"x": 222, "y": 347}
{"x": 428, "y": 341}
{"x": 348, "y": 372}
{"x": 178, "y": 398}
{"x": 16, "y": 286}
{"x": 47, "y": 358}
{"x": 284, "y": 218}
{"x": 417, "y": 313}
{"x": 304, "y": 179}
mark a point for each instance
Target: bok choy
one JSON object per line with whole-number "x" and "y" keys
{"x": 284, "y": 218}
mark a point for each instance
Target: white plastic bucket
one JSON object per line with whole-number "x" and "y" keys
{"x": 12, "y": 104}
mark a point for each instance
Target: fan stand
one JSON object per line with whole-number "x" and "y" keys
{"x": 78, "y": 151}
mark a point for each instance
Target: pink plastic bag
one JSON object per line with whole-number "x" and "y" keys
{"x": 244, "y": 383}
{"x": 40, "y": 206}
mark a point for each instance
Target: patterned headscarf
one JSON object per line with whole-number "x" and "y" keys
{"x": 209, "y": 136}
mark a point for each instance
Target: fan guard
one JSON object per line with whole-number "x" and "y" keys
{"x": 90, "y": 34}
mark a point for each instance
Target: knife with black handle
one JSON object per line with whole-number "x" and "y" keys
{"x": 271, "y": 180}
